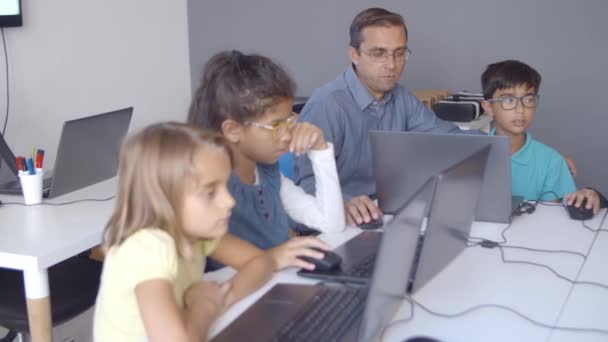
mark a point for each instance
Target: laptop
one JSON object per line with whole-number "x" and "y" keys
{"x": 87, "y": 154}
{"x": 424, "y": 154}
{"x": 339, "y": 312}
{"x": 359, "y": 253}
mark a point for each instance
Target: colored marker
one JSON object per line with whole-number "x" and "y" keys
{"x": 18, "y": 162}
{"x": 23, "y": 164}
{"x": 39, "y": 158}
{"x": 30, "y": 166}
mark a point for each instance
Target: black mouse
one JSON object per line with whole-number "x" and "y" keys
{"x": 421, "y": 339}
{"x": 373, "y": 224}
{"x": 330, "y": 261}
{"x": 580, "y": 213}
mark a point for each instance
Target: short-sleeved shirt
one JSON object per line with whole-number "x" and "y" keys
{"x": 539, "y": 172}
{"x": 147, "y": 254}
{"x": 346, "y": 112}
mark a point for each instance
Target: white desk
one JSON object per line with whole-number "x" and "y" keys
{"x": 587, "y": 306}
{"x": 478, "y": 276}
{"x": 33, "y": 238}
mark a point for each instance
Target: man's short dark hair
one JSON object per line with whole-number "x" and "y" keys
{"x": 373, "y": 17}
{"x": 508, "y": 74}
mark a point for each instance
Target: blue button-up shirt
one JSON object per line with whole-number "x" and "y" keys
{"x": 346, "y": 112}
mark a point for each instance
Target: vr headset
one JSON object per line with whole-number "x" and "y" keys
{"x": 461, "y": 107}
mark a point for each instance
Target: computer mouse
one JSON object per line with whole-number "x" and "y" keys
{"x": 329, "y": 262}
{"x": 421, "y": 339}
{"x": 373, "y": 224}
{"x": 580, "y": 213}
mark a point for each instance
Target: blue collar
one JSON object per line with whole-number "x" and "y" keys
{"x": 360, "y": 93}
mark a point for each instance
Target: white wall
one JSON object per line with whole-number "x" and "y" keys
{"x": 452, "y": 42}
{"x": 75, "y": 58}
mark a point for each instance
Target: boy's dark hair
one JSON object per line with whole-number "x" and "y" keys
{"x": 373, "y": 17}
{"x": 238, "y": 87}
{"x": 508, "y": 74}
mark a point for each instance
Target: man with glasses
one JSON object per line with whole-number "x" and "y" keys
{"x": 538, "y": 172}
{"x": 366, "y": 97}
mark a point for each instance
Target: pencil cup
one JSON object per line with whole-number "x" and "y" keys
{"x": 31, "y": 185}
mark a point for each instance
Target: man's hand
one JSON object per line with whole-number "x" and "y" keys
{"x": 361, "y": 209}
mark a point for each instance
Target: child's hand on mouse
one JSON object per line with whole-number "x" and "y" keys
{"x": 286, "y": 254}
{"x": 209, "y": 296}
{"x": 306, "y": 137}
{"x": 576, "y": 198}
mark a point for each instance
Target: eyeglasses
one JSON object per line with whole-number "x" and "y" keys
{"x": 279, "y": 128}
{"x": 510, "y": 102}
{"x": 382, "y": 56}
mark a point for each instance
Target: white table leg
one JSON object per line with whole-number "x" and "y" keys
{"x": 38, "y": 304}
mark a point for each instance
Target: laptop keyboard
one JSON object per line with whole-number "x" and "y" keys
{"x": 327, "y": 317}
{"x": 364, "y": 268}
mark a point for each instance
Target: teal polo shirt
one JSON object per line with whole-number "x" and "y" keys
{"x": 537, "y": 170}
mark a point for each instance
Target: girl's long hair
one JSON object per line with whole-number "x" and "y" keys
{"x": 155, "y": 168}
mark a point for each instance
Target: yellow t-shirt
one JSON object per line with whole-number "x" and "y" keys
{"x": 148, "y": 254}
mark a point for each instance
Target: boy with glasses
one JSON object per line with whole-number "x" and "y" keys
{"x": 538, "y": 172}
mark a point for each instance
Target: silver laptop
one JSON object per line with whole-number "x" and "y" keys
{"x": 404, "y": 160}
{"x": 87, "y": 154}
{"x": 426, "y": 235}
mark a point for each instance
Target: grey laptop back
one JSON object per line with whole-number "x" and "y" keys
{"x": 8, "y": 168}
{"x": 87, "y": 154}
{"x": 286, "y": 305}
{"x": 426, "y": 235}
{"x": 404, "y": 160}
{"x": 395, "y": 262}
{"x": 88, "y": 150}
{"x": 452, "y": 214}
